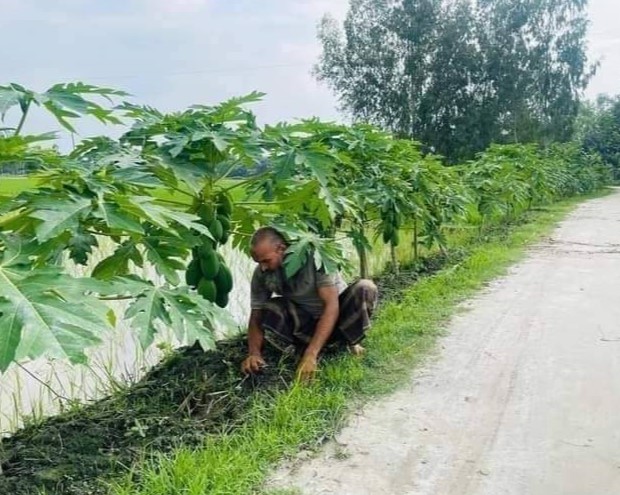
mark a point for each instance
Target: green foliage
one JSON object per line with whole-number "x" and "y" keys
{"x": 63, "y": 101}
{"x": 160, "y": 197}
{"x": 22, "y": 153}
{"x": 601, "y": 133}
{"x": 36, "y": 311}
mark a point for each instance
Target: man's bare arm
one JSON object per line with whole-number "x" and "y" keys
{"x": 255, "y": 334}
{"x": 254, "y": 361}
{"x": 324, "y": 328}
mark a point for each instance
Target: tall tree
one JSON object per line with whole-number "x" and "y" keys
{"x": 535, "y": 56}
{"x": 359, "y": 62}
{"x": 600, "y": 130}
{"x": 459, "y": 74}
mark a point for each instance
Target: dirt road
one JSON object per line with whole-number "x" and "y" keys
{"x": 524, "y": 398}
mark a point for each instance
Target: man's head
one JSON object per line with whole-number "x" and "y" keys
{"x": 267, "y": 248}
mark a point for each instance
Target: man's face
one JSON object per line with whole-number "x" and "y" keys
{"x": 269, "y": 255}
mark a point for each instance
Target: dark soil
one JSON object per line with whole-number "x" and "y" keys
{"x": 188, "y": 396}
{"x": 391, "y": 284}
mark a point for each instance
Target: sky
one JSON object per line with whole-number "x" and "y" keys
{"x": 174, "y": 53}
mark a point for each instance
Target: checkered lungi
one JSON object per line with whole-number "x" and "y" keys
{"x": 290, "y": 328}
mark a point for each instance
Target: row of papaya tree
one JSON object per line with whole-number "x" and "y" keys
{"x": 165, "y": 194}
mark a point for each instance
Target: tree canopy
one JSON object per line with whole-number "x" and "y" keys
{"x": 599, "y": 130}
{"x": 459, "y": 75}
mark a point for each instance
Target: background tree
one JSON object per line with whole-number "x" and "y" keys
{"x": 459, "y": 75}
{"x": 535, "y": 56}
{"x": 600, "y": 130}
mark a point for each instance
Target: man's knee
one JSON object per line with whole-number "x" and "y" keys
{"x": 367, "y": 288}
{"x": 367, "y": 285}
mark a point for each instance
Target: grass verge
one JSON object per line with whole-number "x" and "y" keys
{"x": 279, "y": 423}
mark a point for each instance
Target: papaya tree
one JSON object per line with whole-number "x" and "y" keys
{"x": 163, "y": 196}
{"x": 108, "y": 193}
{"x": 440, "y": 199}
{"x": 63, "y": 101}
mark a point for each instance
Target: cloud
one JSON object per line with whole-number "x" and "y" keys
{"x": 177, "y": 7}
{"x": 605, "y": 44}
{"x": 317, "y": 8}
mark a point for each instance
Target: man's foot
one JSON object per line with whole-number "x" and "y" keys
{"x": 356, "y": 349}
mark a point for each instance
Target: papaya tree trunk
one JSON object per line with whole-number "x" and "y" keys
{"x": 363, "y": 256}
{"x": 393, "y": 257}
{"x": 416, "y": 253}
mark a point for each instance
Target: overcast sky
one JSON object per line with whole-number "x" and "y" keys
{"x": 174, "y": 53}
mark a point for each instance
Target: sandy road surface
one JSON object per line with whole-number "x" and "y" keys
{"x": 524, "y": 398}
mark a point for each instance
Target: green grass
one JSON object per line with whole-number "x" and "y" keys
{"x": 280, "y": 423}
{"x": 11, "y": 186}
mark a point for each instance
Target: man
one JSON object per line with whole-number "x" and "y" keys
{"x": 309, "y": 310}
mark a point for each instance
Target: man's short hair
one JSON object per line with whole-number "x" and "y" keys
{"x": 267, "y": 234}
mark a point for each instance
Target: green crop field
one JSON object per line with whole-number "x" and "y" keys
{"x": 11, "y": 186}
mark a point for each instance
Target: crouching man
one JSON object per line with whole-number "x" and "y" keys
{"x": 305, "y": 313}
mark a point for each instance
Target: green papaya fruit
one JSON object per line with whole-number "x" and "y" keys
{"x": 193, "y": 273}
{"x": 209, "y": 263}
{"x": 216, "y": 229}
{"x": 388, "y": 231}
{"x": 223, "y": 280}
{"x": 205, "y": 249}
{"x": 225, "y": 205}
{"x": 196, "y": 204}
{"x": 221, "y": 299}
{"x": 395, "y": 240}
{"x": 207, "y": 244}
{"x": 206, "y": 214}
{"x": 225, "y": 221}
{"x": 198, "y": 240}
{"x": 206, "y": 288}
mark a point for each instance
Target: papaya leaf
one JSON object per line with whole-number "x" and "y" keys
{"x": 296, "y": 257}
{"x": 9, "y": 97}
{"x": 118, "y": 263}
{"x": 144, "y": 312}
{"x": 116, "y": 219}
{"x": 38, "y": 316}
{"x": 326, "y": 254}
{"x": 196, "y": 317}
{"x": 190, "y": 316}
{"x": 164, "y": 256}
{"x": 146, "y": 207}
{"x": 59, "y": 215}
{"x": 80, "y": 246}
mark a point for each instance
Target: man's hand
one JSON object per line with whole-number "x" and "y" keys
{"x": 252, "y": 364}
{"x": 307, "y": 368}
